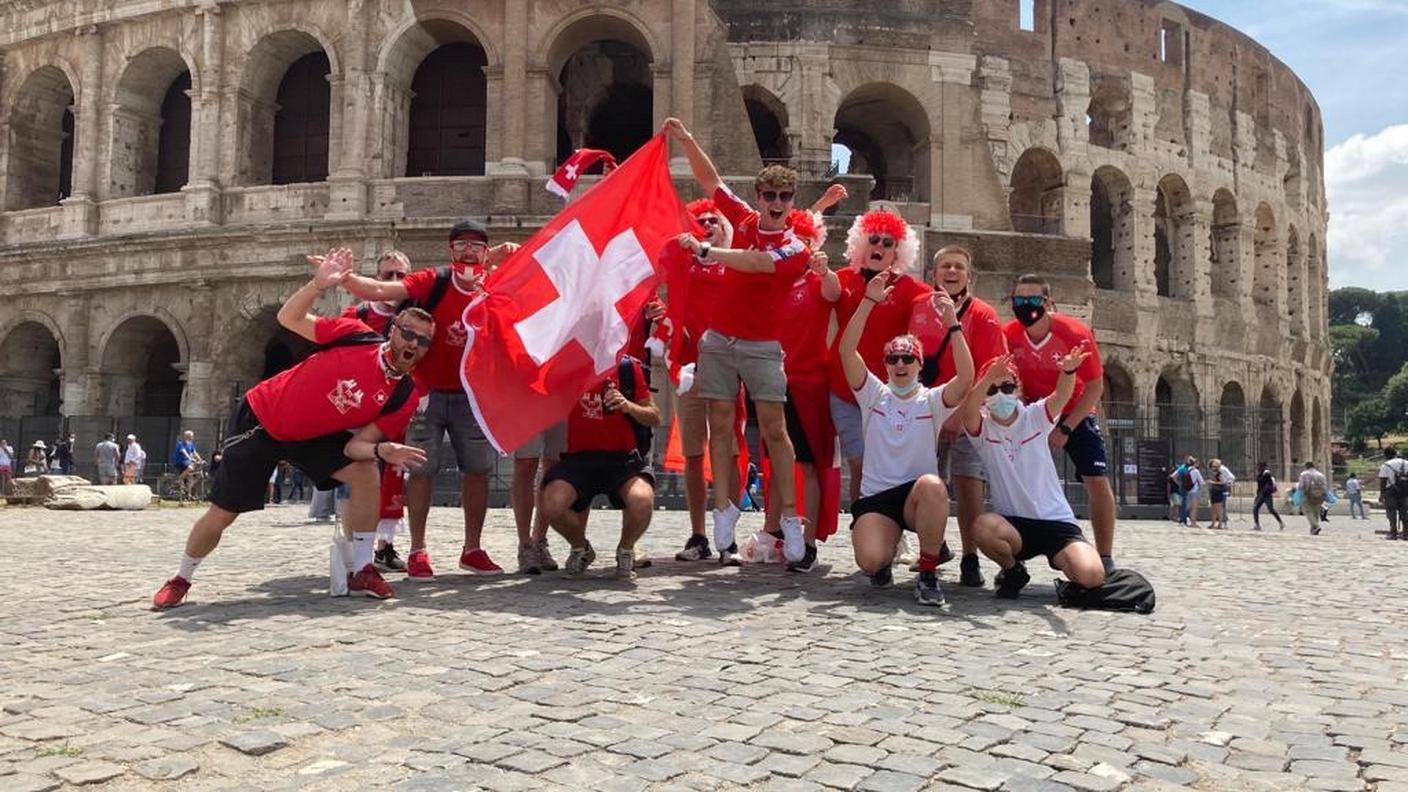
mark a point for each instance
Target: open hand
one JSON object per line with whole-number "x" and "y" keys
{"x": 820, "y": 263}
{"x": 332, "y": 268}
{"x": 1076, "y": 356}
{"x": 676, "y": 129}
{"x": 498, "y": 253}
{"x": 688, "y": 242}
{"x": 398, "y": 454}
{"x": 879, "y": 288}
{"x": 998, "y": 371}
{"x": 943, "y": 304}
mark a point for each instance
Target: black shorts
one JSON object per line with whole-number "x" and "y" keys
{"x": 1044, "y": 537}
{"x": 250, "y": 456}
{"x": 1217, "y": 495}
{"x": 593, "y": 473}
{"x": 1086, "y": 448}
{"x": 887, "y": 503}
{"x": 801, "y": 446}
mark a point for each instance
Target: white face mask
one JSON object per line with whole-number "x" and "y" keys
{"x": 1002, "y": 405}
{"x": 905, "y": 391}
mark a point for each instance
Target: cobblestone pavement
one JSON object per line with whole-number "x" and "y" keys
{"x": 1274, "y": 661}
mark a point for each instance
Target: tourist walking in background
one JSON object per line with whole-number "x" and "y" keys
{"x": 1355, "y": 492}
{"x": 38, "y": 462}
{"x": 7, "y": 471}
{"x": 1265, "y": 496}
{"x": 134, "y": 460}
{"x": 107, "y": 457}
{"x": 1393, "y": 489}
{"x": 1194, "y": 491}
{"x": 1219, "y": 483}
{"x": 1313, "y": 489}
{"x": 1181, "y": 482}
{"x": 63, "y": 452}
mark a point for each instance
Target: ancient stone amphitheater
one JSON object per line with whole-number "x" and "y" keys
{"x": 166, "y": 165}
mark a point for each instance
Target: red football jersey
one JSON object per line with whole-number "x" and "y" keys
{"x": 440, "y": 368}
{"x": 750, "y": 304}
{"x": 591, "y": 428}
{"x": 1039, "y": 363}
{"x": 372, "y": 314}
{"x": 808, "y": 318}
{"x": 981, "y": 329}
{"x": 887, "y": 320}
{"x": 334, "y": 390}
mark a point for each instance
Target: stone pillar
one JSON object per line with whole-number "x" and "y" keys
{"x": 512, "y": 126}
{"x": 1072, "y": 101}
{"x": 681, "y": 72}
{"x": 202, "y": 192}
{"x": 80, "y": 216}
{"x": 952, "y": 160}
{"x": 1198, "y": 224}
{"x": 1075, "y": 204}
{"x": 1142, "y": 222}
{"x": 1197, "y": 128}
{"x": 541, "y": 139}
{"x": 1144, "y": 110}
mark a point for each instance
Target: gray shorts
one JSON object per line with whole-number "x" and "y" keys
{"x": 846, "y": 417}
{"x": 548, "y": 443}
{"x": 723, "y": 361}
{"x": 449, "y": 412}
{"x": 960, "y": 458}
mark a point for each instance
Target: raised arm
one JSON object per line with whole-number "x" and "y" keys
{"x": 834, "y": 194}
{"x": 851, "y": 361}
{"x": 704, "y": 171}
{"x": 957, "y": 388}
{"x": 1066, "y": 383}
{"x": 996, "y": 372}
{"x": 296, "y": 313}
{"x": 741, "y": 260}
{"x": 364, "y": 288}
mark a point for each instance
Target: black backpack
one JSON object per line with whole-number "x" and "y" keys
{"x": 626, "y": 379}
{"x": 1123, "y": 590}
{"x": 404, "y": 388}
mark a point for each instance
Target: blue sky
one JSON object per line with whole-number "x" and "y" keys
{"x": 1352, "y": 55}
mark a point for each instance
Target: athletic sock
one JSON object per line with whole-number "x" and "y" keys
{"x": 363, "y": 545}
{"x": 188, "y": 567}
{"x": 928, "y": 562}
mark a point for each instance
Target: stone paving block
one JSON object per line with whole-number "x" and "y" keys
{"x": 792, "y": 742}
{"x": 254, "y": 743}
{"x": 1086, "y": 782}
{"x": 838, "y": 776}
{"x": 84, "y": 773}
{"x": 987, "y": 778}
{"x": 167, "y": 768}
{"x": 26, "y": 782}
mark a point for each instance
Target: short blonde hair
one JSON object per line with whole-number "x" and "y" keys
{"x": 776, "y": 176}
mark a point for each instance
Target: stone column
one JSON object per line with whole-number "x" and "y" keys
{"x": 1072, "y": 99}
{"x": 514, "y": 106}
{"x": 80, "y": 216}
{"x": 203, "y": 203}
{"x": 1075, "y": 203}
{"x": 351, "y": 108}
{"x": 681, "y": 72}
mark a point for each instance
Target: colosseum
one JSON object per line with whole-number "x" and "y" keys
{"x": 166, "y": 166}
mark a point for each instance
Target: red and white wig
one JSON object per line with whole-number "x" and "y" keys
{"x": 887, "y": 223}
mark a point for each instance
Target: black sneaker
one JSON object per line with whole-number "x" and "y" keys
{"x": 729, "y": 556}
{"x": 808, "y": 562}
{"x": 926, "y": 589}
{"x": 696, "y": 548}
{"x": 1011, "y": 581}
{"x": 882, "y": 579}
{"x": 969, "y": 573}
{"x": 1108, "y": 562}
{"x": 388, "y": 560}
{"x": 945, "y": 554}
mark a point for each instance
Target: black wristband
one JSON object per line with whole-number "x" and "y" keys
{"x": 957, "y": 328}
{"x": 1071, "y": 371}
{"x": 1063, "y": 429}
{"x": 376, "y": 451}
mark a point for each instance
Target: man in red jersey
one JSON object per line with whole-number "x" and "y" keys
{"x": 329, "y": 416}
{"x": 959, "y": 463}
{"x": 741, "y": 343}
{"x": 445, "y": 292}
{"x": 879, "y": 241}
{"x": 603, "y": 457}
{"x": 1039, "y": 339}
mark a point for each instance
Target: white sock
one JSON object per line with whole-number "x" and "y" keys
{"x": 188, "y": 566}
{"x": 363, "y": 544}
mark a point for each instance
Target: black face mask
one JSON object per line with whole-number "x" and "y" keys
{"x": 1028, "y": 315}
{"x": 869, "y": 273}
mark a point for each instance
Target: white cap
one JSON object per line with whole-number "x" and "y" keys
{"x": 131, "y": 437}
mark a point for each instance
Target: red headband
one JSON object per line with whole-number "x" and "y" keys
{"x": 904, "y": 345}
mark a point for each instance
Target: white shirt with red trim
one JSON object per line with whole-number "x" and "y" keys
{"x": 901, "y": 435}
{"x": 1022, "y": 479}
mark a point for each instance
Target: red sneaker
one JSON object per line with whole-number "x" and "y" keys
{"x": 478, "y": 562}
{"x": 171, "y": 594}
{"x": 418, "y": 566}
{"x": 368, "y": 583}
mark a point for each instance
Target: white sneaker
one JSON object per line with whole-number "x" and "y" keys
{"x": 793, "y": 545}
{"x": 724, "y": 523}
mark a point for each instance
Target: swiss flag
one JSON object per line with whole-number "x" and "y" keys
{"x": 559, "y": 310}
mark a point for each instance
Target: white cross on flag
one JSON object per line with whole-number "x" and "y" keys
{"x": 559, "y": 310}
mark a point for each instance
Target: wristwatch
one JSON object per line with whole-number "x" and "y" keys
{"x": 1061, "y": 425}
{"x": 955, "y": 328}
{"x": 704, "y": 248}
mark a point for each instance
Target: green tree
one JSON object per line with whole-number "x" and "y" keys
{"x": 1352, "y": 348}
{"x": 1370, "y": 419}
{"x": 1396, "y": 397}
{"x": 1350, "y": 303}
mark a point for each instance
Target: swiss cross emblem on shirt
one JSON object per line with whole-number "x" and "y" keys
{"x": 345, "y": 395}
{"x": 899, "y": 417}
{"x": 456, "y": 334}
{"x": 380, "y": 397}
{"x": 1056, "y": 356}
{"x": 591, "y": 406}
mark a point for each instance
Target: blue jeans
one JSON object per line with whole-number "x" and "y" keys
{"x": 1357, "y": 502}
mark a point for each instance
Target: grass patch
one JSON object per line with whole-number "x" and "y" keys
{"x": 260, "y": 713}
{"x": 1009, "y": 700}
{"x": 71, "y": 751}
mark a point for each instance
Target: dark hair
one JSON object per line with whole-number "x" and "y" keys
{"x": 1390, "y": 452}
{"x": 468, "y": 226}
{"x": 417, "y": 313}
{"x": 1032, "y": 279}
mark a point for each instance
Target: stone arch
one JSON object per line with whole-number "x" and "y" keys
{"x": 1173, "y": 239}
{"x": 41, "y": 123}
{"x": 1176, "y": 406}
{"x": 1317, "y": 436}
{"x": 887, "y": 130}
{"x": 30, "y": 364}
{"x": 1300, "y": 445}
{"x": 1295, "y": 279}
{"x": 142, "y": 362}
{"x": 1035, "y": 203}
{"x": 1314, "y": 287}
{"x": 1110, "y": 113}
{"x": 604, "y": 65}
{"x": 1269, "y": 424}
{"x": 1232, "y": 428}
{"x": 1120, "y": 400}
{"x": 285, "y": 109}
{"x": 1111, "y": 230}
{"x": 767, "y": 115}
{"x": 437, "y": 93}
{"x": 270, "y": 349}
{"x": 1266, "y": 279}
{"x": 1225, "y": 244}
{"x": 151, "y": 125}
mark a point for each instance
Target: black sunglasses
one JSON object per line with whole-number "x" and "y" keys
{"x": 393, "y": 275}
{"x": 708, "y": 222}
{"x": 412, "y": 337}
{"x": 1006, "y": 387}
{"x": 895, "y": 360}
{"x": 876, "y": 239}
{"x": 774, "y": 195}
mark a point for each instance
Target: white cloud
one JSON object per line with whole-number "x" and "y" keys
{"x": 1366, "y": 178}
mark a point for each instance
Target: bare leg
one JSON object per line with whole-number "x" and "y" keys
{"x": 205, "y": 534}
{"x": 418, "y": 489}
{"x": 1101, "y": 497}
{"x": 926, "y": 509}
{"x": 1081, "y": 564}
{"x": 970, "y": 505}
{"x": 811, "y": 492}
{"x": 363, "y": 482}
{"x": 638, "y": 499}
{"x": 772, "y": 420}
{"x": 474, "y": 494}
{"x": 540, "y": 521}
{"x": 721, "y": 449}
{"x": 873, "y": 539}
{"x": 525, "y": 472}
{"x": 997, "y": 539}
{"x": 695, "y": 493}
{"x": 558, "y": 497}
{"x": 855, "y": 467}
